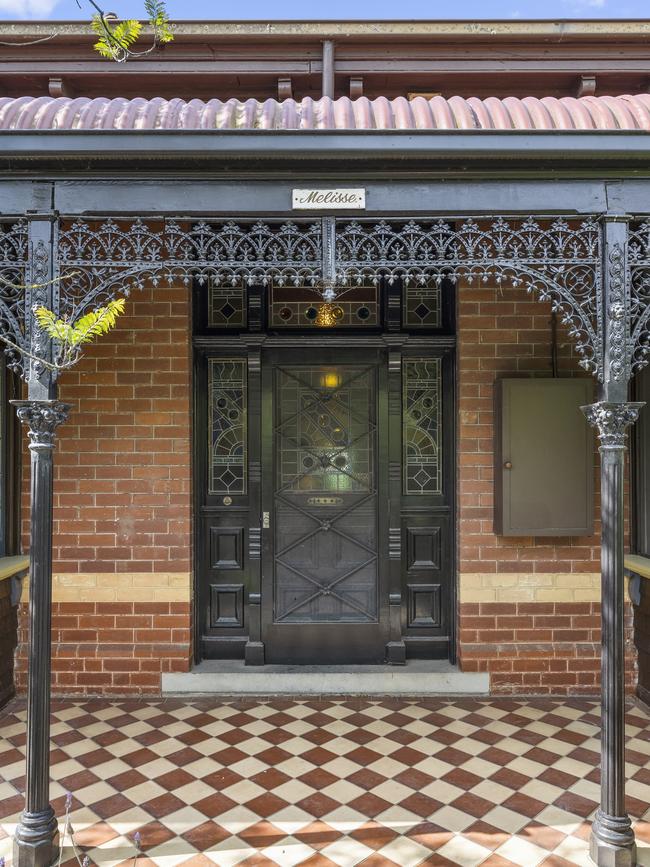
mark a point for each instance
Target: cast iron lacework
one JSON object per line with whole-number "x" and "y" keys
{"x": 227, "y": 412}
{"x": 13, "y": 267}
{"x": 559, "y": 260}
{"x": 325, "y": 499}
{"x": 421, "y": 426}
{"x": 639, "y": 263}
{"x": 110, "y": 257}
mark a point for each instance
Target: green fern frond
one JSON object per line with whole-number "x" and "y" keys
{"x": 114, "y": 41}
{"x": 103, "y": 46}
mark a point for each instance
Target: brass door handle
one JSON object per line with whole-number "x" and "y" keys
{"x": 507, "y": 465}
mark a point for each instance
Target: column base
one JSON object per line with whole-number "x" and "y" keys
{"x": 36, "y": 841}
{"x": 612, "y": 841}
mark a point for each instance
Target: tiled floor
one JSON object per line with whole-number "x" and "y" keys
{"x": 372, "y": 783}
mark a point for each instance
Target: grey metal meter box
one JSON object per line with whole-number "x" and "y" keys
{"x": 544, "y": 453}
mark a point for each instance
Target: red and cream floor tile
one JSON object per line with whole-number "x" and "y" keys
{"x": 328, "y": 783}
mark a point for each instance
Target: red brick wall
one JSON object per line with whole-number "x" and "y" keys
{"x": 527, "y": 645}
{"x": 504, "y": 333}
{"x": 538, "y": 647}
{"x": 115, "y": 647}
{"x": 122, "y": 490}
{"x": 122, "y": 505}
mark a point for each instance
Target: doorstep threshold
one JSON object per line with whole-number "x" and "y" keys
{"x": 419, "y": 677}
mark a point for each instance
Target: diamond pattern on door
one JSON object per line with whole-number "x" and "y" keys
{"x": 325, "y": 503}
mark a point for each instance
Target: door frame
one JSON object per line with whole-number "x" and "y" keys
{"x": 248, "y": 645}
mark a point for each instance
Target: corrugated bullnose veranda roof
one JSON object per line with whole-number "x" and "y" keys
{"x": 456, "y": 113}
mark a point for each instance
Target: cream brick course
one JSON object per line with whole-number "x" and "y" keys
{"x": 119, "y": 587}
{"x": 530, "y": 587}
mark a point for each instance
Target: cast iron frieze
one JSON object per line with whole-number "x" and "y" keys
{"x": 639, "y": 265}
{"x": 13, "y": 262}
{"x": 103, "y": 258}
{"x": 557, "y": 259}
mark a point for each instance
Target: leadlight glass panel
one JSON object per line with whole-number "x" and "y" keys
{"x": 298, "y": 307}
{"x": 422, "y": 426}
{"x": 326, "y": 441}
{"x": 422, "y": 305}
{"x": 227, "y": 413}
{"x": 226, "y": 306}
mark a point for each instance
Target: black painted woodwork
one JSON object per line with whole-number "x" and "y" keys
{"x": 641, "y": 469}
{"x": 401, "y": 602}
{"x": 10, "y": 475}
{"x": 324, "y": 592}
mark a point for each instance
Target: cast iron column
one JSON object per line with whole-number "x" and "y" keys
{"x": 612, "y": 839}
{"x": 36, "y": 837}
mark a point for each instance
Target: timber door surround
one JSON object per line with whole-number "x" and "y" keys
{"x": 324, "y": 482}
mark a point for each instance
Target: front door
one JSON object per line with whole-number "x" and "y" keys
{"x": 324, "y": 479}
{"x": 324, "y": 507}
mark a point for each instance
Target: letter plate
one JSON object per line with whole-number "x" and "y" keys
{"x": 325, "y": 501}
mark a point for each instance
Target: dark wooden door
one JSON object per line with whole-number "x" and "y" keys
{"x": 324, "y": 518}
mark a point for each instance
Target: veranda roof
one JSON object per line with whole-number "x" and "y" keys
{"x": 589, "y": 113}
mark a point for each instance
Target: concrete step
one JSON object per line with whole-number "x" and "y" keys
{"x": 418, "y": 677}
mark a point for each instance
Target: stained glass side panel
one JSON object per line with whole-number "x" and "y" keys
{"x": 227, "y": 414}
{"x": 422, "y": 426}
{"x": 422, "y": 306}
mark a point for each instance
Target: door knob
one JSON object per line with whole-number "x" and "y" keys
{"x": 508, "y": 465}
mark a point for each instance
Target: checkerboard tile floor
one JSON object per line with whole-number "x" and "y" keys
{"x": 328, "y": 783}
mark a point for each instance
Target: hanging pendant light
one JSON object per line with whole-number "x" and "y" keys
{"x": 328, "y": 315}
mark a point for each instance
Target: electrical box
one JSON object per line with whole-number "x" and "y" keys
{"x": 544, "y": 454}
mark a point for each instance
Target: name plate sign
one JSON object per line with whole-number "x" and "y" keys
{"x": 329, "y": 200}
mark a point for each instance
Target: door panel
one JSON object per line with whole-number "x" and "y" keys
{"x": 225, "y": 496}
{"x": 323, "y": 563}
{"x": 426, "y": 504}
{"x": 325, "y": 514}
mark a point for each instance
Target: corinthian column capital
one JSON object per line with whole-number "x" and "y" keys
{"x": 42, "y": 418}
{"x": 611, "y": 420}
